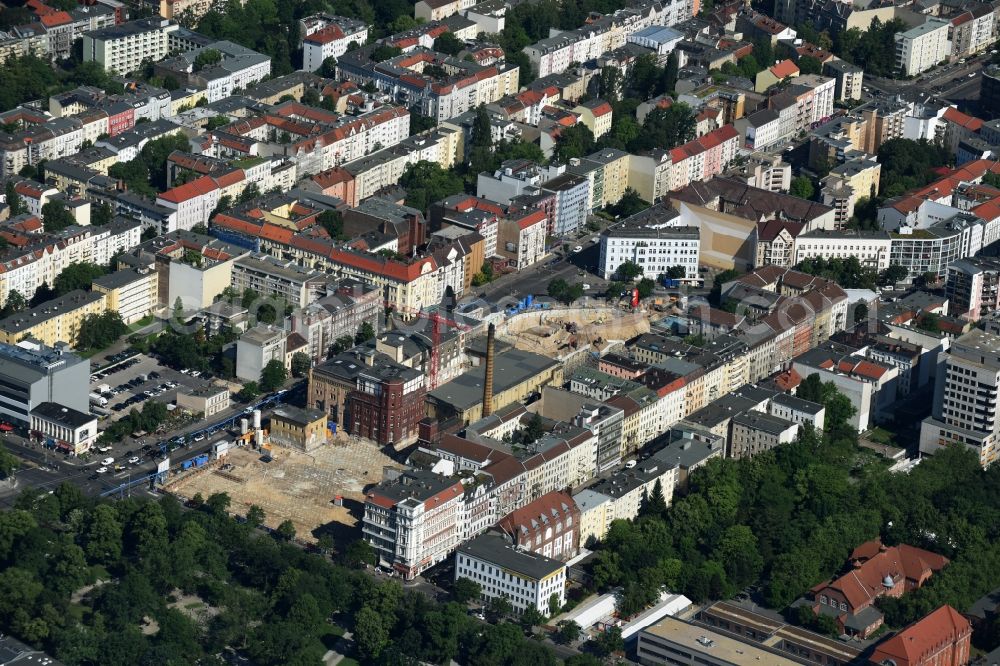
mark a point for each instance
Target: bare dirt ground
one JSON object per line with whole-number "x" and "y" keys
{"x": 295, "y": 486}
{"x": 558, "y": 332}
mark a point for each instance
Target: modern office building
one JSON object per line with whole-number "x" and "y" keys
{"x": 32, "y": 374}
{"x": 965, "y": 398}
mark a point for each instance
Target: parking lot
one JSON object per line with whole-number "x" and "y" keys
{"x": 134, "y": 379}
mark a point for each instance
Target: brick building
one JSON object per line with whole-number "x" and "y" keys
{"x": 876, "y": 570}
{"x": 550, "y": 526}
{"x": 940, "y": 639}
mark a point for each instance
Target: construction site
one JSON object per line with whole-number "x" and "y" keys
{"x": 560, "y": 333}
{"x": 321, "y": 491}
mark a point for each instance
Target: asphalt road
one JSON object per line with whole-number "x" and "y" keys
{"x": 45, "y": 469}
{"x": 535, "y": 280}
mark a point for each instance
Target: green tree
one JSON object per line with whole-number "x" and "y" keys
{"x": 273, "y": 376}
{"x": 498, "y": 608}
{"x": 14, "y": 200}
{"x": 645, "y": 287}
{"x": 333, "y": 222}
{"x": 890, "y": 276}
{"x": 249, "y": 392}
{"x": 465, "y": 590}
{"x": 15, "y": 303}
{"x": 670, "y": 74}
{"x": 426, "y": 182}
{"x": 370, "y": 632}
{"x": 56, "y": 217}
{"x": 628, "y": 271}
{"x": 285, "y": 531}
{"x": 300, "y": 364}
{"x": 365, "y": 333}
{"x": 655, "y": 504}
{"x": 78, "y": 275}
{"x": 573, "y": 142}
{"x": 449, "y": 44}
{"x": 568, "y": 632}
{"x": 531, "y": 618}
{"x": 215, "y": 122}
{"x": 101, "y": 214}
{"x": 255, "y": 516}
{"x": 340, "y": 345}
{"x": 809, "y": 65}
{"x": 630, "y": 204}
{"x": 8, "y": 463}
{"x": 359, "y": 554}
{"x": 206, "y": 58}
{"x": 665, "y": 128}
{"x": 802, "y": 187}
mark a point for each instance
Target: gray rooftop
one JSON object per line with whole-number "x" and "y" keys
{"x": 495, "y": 550}
{"x": 511, "y": 368}
{"x": 761, "y": 421}
{"x": 66, "y": 416}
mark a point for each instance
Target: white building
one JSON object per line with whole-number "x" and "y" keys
{"x": 68, "y": 429}
{"x": 920, "y": 48}
{"x": 256, "y": 348}
{"x": 872, "y": 248}
{"x": 327, "y": 36}
{"x": 654, "y": 240}
{"x": 528, "y": 580}
{"x": 124, "y": 48}
{"x": 965, "y": 398}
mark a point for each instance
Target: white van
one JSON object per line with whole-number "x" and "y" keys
{"x": 630, "y": 464}
{"x": 107, "y": 461}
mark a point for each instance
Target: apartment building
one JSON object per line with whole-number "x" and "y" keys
{"x": 132, "y": 293}
{"x": 328, "y": 36}
{"x": 849, "y": 79}
{"x": 521, "y": 239}
{"x": 973, "y": 287}
{"x": 965, "y": 398}
{"x": 526, "y": 579}
{"x": 972, "y": 31}
{"x": 871, "y": 248}
{"x": 346, "y": 306}
{"x": 654, "y": 239}
{"x": 235, "y": 69}
{"x": 920, "y": 48}
{"x": 754, "y": 432}
{"x": 441, "y": 86}
{"x": 413, "y": 521}
{"x": 33, "y": 374}
{"x": 54, "y": 321}
{"x": 549, "y": 526}
{"x": 271, "y": 277}
{"x": 123, "y": 48}
{"x": 256, "y": 348}
{"x": 205, "y": 400}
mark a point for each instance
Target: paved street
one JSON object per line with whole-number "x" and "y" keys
{"x": 46, "y": 469}
{"x": 958, "y": 83}
{"x": 576, "y": 267}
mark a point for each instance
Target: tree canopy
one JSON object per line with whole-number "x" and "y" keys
{"x": 426, "y": 182}
{"x": 271, "y": 601}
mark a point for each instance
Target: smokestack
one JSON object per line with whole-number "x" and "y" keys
{"x": 488, "y": 381}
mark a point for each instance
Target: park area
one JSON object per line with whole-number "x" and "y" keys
{"x": 295, "y": 486}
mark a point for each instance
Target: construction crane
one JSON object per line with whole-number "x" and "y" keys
{"x": 437, "y": 321}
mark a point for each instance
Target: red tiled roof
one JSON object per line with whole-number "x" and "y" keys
{"x": 971, "y": 123}
{"x": 56, "y": 19}
{"x": 601, "y": 109}
{"x": 865, "y": 582}
{"x": 330, "y": 33}
{"x": 784, "y": 69}
{"x": 924, "y": 639}
{"x": 531, "y": 219}
{"x": 188, "y": 191}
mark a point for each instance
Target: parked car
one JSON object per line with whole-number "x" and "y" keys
{"x": 108, "y": 461}
{"x": 134, "y": 460}
{"x": 102, "y": 470}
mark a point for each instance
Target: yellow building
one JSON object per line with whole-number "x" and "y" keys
{"x": 596, "y": 115}
{"x": 516, "y": 375}
{"x": 132, "y": 293}
{"x": 303, "y": 429}
{"x": 775, "y": 74}
{"x": 55, "y": 321}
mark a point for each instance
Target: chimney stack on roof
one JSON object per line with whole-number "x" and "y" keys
{"x": 488, "y": 379}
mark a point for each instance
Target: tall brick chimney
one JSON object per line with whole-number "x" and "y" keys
{"x": 488, "y": 380}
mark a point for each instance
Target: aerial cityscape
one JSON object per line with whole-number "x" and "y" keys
{"x": 499, "y": 332}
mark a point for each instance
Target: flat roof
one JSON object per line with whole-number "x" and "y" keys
{"x": 301, "y": 416}
{"x": 67, "y": 416}
{"x": 510, "y": 368}
{"x": 718, "y": 648}
{"x": 495, "y": 550}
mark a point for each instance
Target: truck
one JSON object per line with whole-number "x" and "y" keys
{"x": 103, "y": 389}
{"x": 98, "y": 399}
